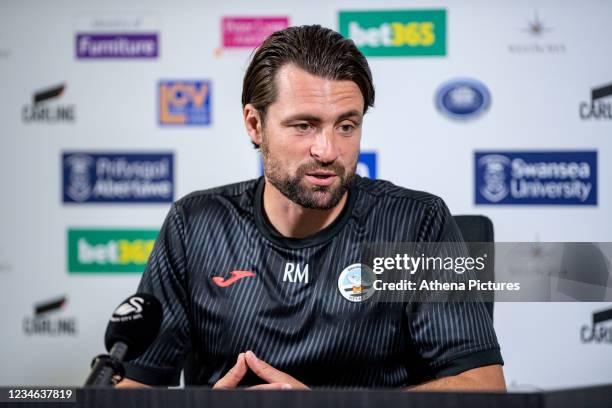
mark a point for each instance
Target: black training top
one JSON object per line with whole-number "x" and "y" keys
{"x": 228, "y": 283}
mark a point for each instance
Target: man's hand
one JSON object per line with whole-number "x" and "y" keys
{"x": 270, "y": 374}
{"x": 233, "y": 376}
{"x": 277, "y": 380}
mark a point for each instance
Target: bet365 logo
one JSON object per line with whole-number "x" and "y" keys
{"x": 109, "y": 250}
{"x": 396, "y": 33}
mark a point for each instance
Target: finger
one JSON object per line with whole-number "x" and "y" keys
{"x": 273, "y": 386}
{"x": 265, "y": 371}
{"x": 234, "y": 375}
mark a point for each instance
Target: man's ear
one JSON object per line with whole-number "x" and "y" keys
{"x": 253, "y": 123}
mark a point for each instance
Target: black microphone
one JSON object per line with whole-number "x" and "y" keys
{"x": 131, "y": 330}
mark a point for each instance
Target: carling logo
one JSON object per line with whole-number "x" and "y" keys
{"x": 117, "y": 178}
{"x": 109, "y": 250}
{"x": 116, "y": 45}
{"x": 45, "y": 108}
{"x": 552, "y": 178}
{"x": 45, "y": 322}
{"x": 249, "y": 32}
{"x": 600, "y": 105}
{"x": 184, "y": 102}
{"x": 600, "y": 331}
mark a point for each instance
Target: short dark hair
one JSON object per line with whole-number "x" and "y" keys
{"x": 315, "y": 49}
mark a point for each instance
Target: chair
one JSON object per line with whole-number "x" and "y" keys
{"x": 478, "y": 228}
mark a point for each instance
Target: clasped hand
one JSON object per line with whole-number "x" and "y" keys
{"x": 276, "y": 379}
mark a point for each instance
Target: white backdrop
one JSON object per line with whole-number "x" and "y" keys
{"x": 536, "y": 83}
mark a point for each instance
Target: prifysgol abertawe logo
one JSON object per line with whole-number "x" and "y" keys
{"x": 44, "y": 321}
{"x": 45, "y": 109}
{"x": 600, "y": 105}
{"x": 356, "y": 283}
{"x": 600, "y": 331}
{"x": 118, "y": 177}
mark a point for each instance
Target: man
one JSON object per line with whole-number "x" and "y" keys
{"x": 248, "y": 273}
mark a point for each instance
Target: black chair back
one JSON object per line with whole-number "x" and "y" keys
{"x": 478, "y": 228}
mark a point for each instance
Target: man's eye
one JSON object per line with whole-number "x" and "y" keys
{"x": 302, "y": 127}
{"x": 346, "y": 128}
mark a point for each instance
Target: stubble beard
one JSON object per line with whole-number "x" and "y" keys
{"x": 294, "y": 187}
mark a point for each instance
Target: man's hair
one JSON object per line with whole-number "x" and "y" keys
{"x": 315, "y": 49}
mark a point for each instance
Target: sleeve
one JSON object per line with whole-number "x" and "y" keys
{"x": 450, "y": 336}
{"x": 165, "y": 277}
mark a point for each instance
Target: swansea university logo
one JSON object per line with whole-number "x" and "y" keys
{"x": 495, "y": 174}
{"x": 184, "y": 102}
{"x": 536, "y": 177}
{"x": 400, "y": 33}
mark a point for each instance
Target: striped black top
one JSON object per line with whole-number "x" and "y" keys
{"x": 228, "y": 283}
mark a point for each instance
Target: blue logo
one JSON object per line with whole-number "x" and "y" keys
{"x": 184, "y": 102}
{"x": 463, "y": 98}
{"x": 366, "y": 165}
{"x": 552, "y": 178}
{"x": 117, "y": 178}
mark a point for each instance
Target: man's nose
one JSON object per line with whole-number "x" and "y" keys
{"x": 324, "y": 148}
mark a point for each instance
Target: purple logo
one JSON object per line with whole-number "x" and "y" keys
{"x": 116, "y": 45}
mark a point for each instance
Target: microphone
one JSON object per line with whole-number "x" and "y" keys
{"x": 131, "y": 330}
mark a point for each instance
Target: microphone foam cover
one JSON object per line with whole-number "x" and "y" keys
{"x": 135, "y": 322}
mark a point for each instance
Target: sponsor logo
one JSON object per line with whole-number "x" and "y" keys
{"x": 128, "y": 311}
{"x": 249, "y": 32}
{"x": 463, "y": 98}
{"x": 538, "y": 32}
{"x": 600, "y": 105}
{"x": 600, "y": 331}
{"x": 45, "y": 323}
{"x": 109, "y": 250}
{"x": 356, "y": 283}
{"x": 43, "y": 108}
{"x": 184, "y": 102}
{"x": 401, "y": 33}
{"x": 367, "y": 165}
{"x": 561, "y": 178}
{"x": 235, "y": 276}
{"x": 117, "y": 178}
{"x": 106, "y": 45}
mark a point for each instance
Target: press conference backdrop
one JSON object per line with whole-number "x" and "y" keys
{"x": 112, "y": 110}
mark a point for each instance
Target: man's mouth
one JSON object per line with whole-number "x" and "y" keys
{"x": 321, "y": 177}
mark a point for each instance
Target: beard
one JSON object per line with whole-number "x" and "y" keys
{"x": 295, "y": 188}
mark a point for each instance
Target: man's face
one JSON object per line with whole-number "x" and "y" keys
{"x": 311, "y": 136}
